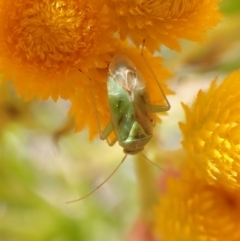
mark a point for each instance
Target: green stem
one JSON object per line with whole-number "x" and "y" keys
{"x": 147, "y": 187}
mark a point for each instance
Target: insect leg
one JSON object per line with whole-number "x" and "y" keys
{"x": 107, "y": 131}
{"x": 105, "y": 134}
{"x": 111, "y": 143}
{"x": 160, "y": 108}
{"x": 156, "y": 108}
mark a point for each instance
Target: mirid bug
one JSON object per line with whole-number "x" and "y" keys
{"x": 132, "y": 115}
{"x": 131, "y": 111}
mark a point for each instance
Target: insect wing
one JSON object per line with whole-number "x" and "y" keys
{"x": 142, "y": 105}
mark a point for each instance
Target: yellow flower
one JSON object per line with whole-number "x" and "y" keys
{"x": 45, "y": 42}
{"x": 211, "y": 134}
{"x": 82, "y": 102}
{"x": 164, "y": 21}
{"x": 197, "y": 211}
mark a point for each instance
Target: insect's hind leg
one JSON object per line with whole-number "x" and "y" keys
{"x": 160, "y": 108}
{"x": 156, "y": 108}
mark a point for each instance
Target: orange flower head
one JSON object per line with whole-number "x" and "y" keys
{"x": 211, "y": 133}
{"x": 164, "y": 21}
{"x": 197, "y": 211}
{"x": 45, "y": 42}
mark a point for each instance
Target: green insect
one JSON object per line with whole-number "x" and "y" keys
{"x": 131, "y": 111}
{"x": 132, "y": 115}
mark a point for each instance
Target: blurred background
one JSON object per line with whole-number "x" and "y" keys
{"x": 44, "y": 163}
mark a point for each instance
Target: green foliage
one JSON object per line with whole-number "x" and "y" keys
{"x": 230, "y": 6}
{"x": 34, "y": 185}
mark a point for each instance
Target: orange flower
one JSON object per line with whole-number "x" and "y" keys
{"x": 211, "y": 133}
{"x": 45, "y": 42}
{"x": 164, "y": 21}
{"x": 197, "y": 211}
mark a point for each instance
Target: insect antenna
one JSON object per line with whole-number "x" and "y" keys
{"x": 168, "y": 106}
{"x": 100, "y": 185}
{"x": 153, "y": 163}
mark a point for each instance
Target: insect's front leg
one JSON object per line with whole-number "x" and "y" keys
{"x": 106, "y": 133}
